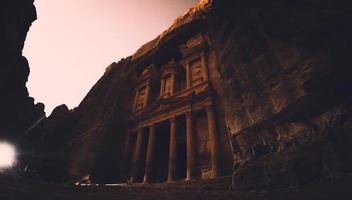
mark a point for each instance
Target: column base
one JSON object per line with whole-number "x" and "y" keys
{"x": 145, "y": 180}
{"x": 215, "y": 175}
{"x": 132, "y": 180}
{"x": 171, "y": 181}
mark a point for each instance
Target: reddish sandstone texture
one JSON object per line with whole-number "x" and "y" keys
{"x": 281, "y": 77}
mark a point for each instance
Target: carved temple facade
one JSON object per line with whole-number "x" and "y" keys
{"x": 176, "y": 130}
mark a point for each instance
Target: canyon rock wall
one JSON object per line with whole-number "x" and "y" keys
{"x": 287, "y": 87}
{"x": 96, "y": 148}
{"x": 285, "y": 93}
{"x": 43, "y": 149}
{"x": 17, "y": 110}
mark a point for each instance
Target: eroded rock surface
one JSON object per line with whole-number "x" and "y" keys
{"x": 284, "y": 93}
{"x": 288, "y": 88}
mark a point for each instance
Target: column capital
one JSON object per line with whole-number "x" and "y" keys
{"x": 173, "y": 119}
{"x": 140, "y": 130}
{"x": 188, "y": 114}
{"x": 209, "y": 107}
{"x": 152, "y": 126}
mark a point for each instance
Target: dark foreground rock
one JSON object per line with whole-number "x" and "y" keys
{"x": 17, "y": 110}
{"x": 18, "y": 188}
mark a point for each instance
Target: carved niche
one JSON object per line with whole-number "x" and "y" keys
{"x": 196, "y": 71}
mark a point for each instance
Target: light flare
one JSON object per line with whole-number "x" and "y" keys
{"x": 7, "y": 155}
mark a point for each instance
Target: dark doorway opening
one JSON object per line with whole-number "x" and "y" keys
{"x": 161, "y": 158}
{"x": 181, "y": 147}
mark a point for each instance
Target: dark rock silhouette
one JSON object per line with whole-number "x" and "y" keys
{"x": 17, "y": 110}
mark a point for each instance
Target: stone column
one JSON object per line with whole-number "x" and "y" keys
{"x": 147, "y": 94}
{"x": 204, "y": 67}
{"x": 172, "y": 89}
{"x": 150, "y": 154}
{"x": 137, "y": 156}
{"x": 213, "y": 140}
{"x": 172, "y": 150}
{"x": 135, "y": 99}
{"x": 189, "y": 75}
{"x": 162, "y": 85}
{"x": 190, "y": 146}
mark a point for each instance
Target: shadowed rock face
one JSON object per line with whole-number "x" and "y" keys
{"x": 17, "y": 109}
{"x": 285, "y": 93}
{"x": 286, "y": 76}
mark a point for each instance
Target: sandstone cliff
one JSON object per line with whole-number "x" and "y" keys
{"x": 286, "y": 92}
{"x": 286, "y": 76}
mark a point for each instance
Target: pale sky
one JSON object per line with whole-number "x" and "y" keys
{"x": 73, "y": 41}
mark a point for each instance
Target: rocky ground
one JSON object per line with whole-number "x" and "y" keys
{"x": 14, "y": 187}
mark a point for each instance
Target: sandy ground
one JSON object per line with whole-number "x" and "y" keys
{"x": 18, "y": 188}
